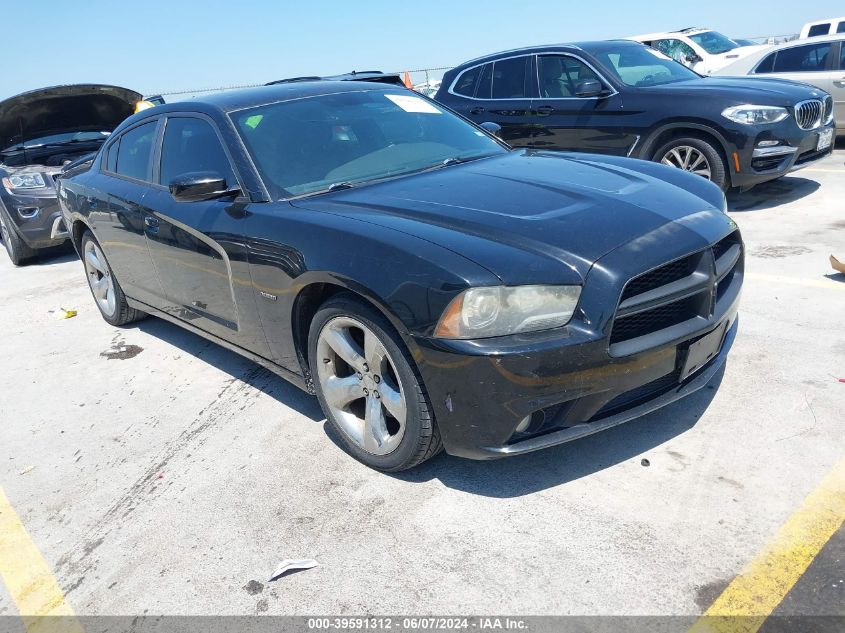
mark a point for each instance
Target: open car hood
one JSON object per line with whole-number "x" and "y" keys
{"x": 75, "y": 108}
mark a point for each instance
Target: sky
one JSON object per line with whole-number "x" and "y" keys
{"x": 157, "y": 46}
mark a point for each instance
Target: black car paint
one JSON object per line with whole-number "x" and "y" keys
{"x": 245, "y": 272}
{"x": 635, "y": 121}
{"x": 75, "y": 108}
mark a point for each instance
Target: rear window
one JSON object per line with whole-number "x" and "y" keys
{"x": 509, "y": 78}
{"x": 466, "y": 82}
{"x": 133, "y": 155}
{"x": 819, "y": 29}
{"x": 802, "y": 59}
{"x": 841, "y": 28}
{"x": 767, "y": 65}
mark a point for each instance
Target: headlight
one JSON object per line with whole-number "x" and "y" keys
{"x": 499, "y": 311}
{"x": 755, "y": 114}
{"x": 24, "y": 181}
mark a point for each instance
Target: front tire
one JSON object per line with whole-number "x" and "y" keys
{"x": 368, "y": 388}
{"x": 18, "y": 250}
{"x": 107, "y": 293}
{"x": 697, "y": 156}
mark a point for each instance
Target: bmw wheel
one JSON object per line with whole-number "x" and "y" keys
{"x": 696, "y": 156}
{"x": 368, "y": 387}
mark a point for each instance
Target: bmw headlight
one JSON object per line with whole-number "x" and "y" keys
{"x": 755, "y": 114}
{"x": 502, "y": 310}
{"x": 24, "y": 181}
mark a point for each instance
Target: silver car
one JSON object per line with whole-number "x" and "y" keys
{"x": 818, "y": 61}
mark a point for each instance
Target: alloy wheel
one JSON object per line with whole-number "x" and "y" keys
{"x": 689, "y": 159}
{"x": 99, "y": 278}
{"x": 360, "y": 385}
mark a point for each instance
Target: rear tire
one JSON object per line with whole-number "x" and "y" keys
{"x": 368, "y": 387}
{"x": 107, "y": 293}
{"x": 695, "y": 155}
{"x": 19, "y": 252}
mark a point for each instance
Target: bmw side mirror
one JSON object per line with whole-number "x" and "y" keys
{"x": 493, "y": 128}
{"x": 589, "y": 88}
{"x": 198, "y": 186}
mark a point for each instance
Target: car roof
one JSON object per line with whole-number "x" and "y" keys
{"x": 588, "y": 46}
{"x": 233, "y": 100}
{"x": 375, "y": 76}
{"x": 807, "y": 41}
{"x": 662, "y": 34}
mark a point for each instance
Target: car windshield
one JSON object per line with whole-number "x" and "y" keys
{"x": 60, "y": 139}
{"x": 642, "y": 66}
{"x": 714, "y": 42}
{"x": 315, "y": 144}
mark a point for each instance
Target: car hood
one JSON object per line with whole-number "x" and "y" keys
{"x": 546, "y": 215}
{"x": 741, "y": 90}
{"x": 76, "y": 108}
{"x": 721, "y": 60}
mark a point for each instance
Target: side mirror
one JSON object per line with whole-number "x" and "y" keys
{"x": 198, "y": 186}
{"x": 693, "y": 58}
{"x": 589, "y": 88}
{"x": 493, "y": 128}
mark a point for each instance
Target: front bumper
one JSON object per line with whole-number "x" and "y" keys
{"x": 573, "y": 381}
{"x": 795, "y": 150}
{"x": 38, "y": 219}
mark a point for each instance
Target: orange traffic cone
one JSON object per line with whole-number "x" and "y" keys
{"x": 407, "y": 81}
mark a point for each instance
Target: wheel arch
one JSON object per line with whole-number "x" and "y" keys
{"x": 316, "y": 291}
{"x": 670, "y": 131}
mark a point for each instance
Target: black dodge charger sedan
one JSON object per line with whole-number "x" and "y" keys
{"x": 433, "y": 287}
{"x": 40, "y": 132}
{"x": 627, "y": 99}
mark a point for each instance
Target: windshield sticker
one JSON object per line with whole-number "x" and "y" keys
{"x": 254, "y": 121}
{"x": 658, "y": 54}
{"x": 413, "y": 104}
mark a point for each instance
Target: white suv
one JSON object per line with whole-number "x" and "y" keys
{"x": 702, "y": 50}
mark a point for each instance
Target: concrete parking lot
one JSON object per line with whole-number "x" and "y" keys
{"x": 158, "y": 473}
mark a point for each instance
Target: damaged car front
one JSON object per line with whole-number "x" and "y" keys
{"x": 40, "y": 132}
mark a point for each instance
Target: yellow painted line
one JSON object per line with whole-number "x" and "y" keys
{"x": 752, "y": 596}
{"x": 827, "y": 284}
{"x": 28, "y": 578}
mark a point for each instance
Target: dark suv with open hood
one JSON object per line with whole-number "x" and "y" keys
{"x": 40, "y": 132}
{"x": 627, "y": 99}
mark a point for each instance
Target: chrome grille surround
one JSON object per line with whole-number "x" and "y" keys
{"x": 809, "y": 114}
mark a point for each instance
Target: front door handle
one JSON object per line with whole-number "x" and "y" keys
{"x": 545, "y": 110}
{"x": 839, "y": 82}
{"x": 476, "y": 110}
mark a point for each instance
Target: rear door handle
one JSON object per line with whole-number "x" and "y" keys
{"x": 476, "y": 110}
{"x": 545, "y": 110}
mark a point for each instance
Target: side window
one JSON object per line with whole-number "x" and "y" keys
{"x": 842, "y": 56}
{"x": 509, "y": 78}
{"x": 133, "y": 155}
{"x": 767, "y": 65}
{"x": 676, "y": 49}
{"x": 819, "y": 29}
{"x": 466, "y": 82}
{"x": 191, "y": 145}
{"x": 841, "y": 28}
{"x": 485, "y": 83}
{"x": 560, "y": 75}
{"x": 809, "y": 58}
{"x": 111, "y": 157}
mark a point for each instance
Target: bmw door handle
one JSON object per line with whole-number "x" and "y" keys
{"x": 476, "y": 110}
{"x": 544, "y": 110}
{"x": 839, "y": 82}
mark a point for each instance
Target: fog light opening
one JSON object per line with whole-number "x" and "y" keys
{"x": 27, "y": 213}
{"x": 523, "y": 425}
{"x": 768, "y": 143}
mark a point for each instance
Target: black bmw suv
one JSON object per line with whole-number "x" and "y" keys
{"x": 623, "y": 98}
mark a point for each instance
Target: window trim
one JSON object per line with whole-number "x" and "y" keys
{"x": 607, "y": 84}
{"x": 480, "y": 65}
{"x": 160, "y": 146}
{"x": 116, "y": 141}
{"x": 802, "y": 43}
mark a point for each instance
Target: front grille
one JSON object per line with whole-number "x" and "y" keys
{"x": 828, "y": 109}
{"x": 640, "y": 394}
{"x": 680, "y": 291}
{"x": 809, "y": 114}
{"x": 660, "y": 277}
